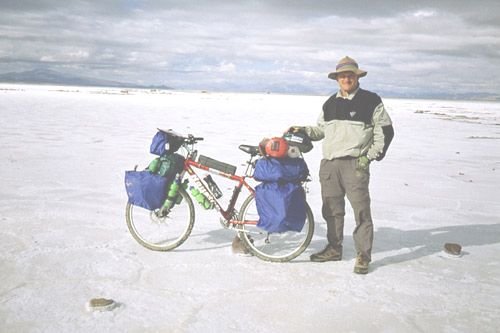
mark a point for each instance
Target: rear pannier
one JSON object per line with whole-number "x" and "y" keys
{"x": 280, "y": 199}
{"x": 281, "y": 207}
{"x": 281, "y": 170}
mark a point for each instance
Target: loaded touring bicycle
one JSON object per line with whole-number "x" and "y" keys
{"x": 274, "y": 222}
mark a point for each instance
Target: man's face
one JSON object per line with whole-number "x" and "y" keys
{"x": 348, "y": 81}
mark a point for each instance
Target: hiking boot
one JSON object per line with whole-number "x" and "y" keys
{"x": 361, "y": 265}
{"x": 327, "y": 254}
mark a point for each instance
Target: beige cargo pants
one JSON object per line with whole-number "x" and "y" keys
{"x": 340, "y": 178}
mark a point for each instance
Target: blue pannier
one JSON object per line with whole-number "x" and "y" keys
{"x": 281, "y": 207}
{"x": 145, "y": 189}
{"x": 165, "y": 142}
{"x": 281, "y": 170}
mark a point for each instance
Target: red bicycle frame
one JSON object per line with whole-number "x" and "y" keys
{"x": 227, "y": 214}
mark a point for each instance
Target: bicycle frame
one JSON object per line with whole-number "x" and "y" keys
{"x": 229, "y": 213}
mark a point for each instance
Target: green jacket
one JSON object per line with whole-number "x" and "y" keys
{"x": 353, "y": 126}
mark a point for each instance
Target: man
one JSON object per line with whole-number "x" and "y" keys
{"x": 356, "y": 130}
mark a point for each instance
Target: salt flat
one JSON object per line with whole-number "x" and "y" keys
{"x": 63, "y": 241}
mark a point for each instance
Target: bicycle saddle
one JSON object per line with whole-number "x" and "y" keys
{"x": 252, "y": 150}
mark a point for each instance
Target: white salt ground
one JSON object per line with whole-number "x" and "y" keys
{"x": 64, "y": 241}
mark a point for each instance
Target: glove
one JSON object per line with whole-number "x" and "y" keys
{"x": 296, "y": 129}
{"x": 363, "y": 162}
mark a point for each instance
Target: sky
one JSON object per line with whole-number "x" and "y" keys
{"x": 407, "y": 47}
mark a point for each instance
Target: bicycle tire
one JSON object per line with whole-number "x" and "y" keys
{"x": 282, "y": 247}
{"x": 162, "y": 233}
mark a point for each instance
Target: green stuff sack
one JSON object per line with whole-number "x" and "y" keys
{"x": 167, "y": 166}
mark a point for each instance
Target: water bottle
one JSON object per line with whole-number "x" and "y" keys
{"x": 201, "y": 198}
{"x": 171, "y": 195}
{"x": 173, "y": 190}
{"x": 154, "y": 165}
{"x": 213, "y": 186}
{"x": 179, "y": 197}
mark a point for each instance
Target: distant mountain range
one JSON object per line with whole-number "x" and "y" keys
{"x": 46, "y": 76}
{"x": 442, "y": 96}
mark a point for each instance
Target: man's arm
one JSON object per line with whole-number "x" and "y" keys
{"x": 317, "y": 133}
{"x": 383, "y": 132}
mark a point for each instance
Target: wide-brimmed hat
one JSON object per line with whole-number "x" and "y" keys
{"x": 347, "y": 64}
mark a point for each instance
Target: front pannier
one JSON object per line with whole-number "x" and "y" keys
{"x": 145, "y": 189}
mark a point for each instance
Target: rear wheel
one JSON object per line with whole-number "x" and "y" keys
{"x": 161, "y": 233}
{"x": 277, "y": 247}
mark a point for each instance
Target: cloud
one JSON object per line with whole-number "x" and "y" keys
{"x": 247, "y": 44}
{"x": 419, "y": 67}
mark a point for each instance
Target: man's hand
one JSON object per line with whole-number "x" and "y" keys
{"x": 363, "y": 162}
{"x": 296, "y": 129}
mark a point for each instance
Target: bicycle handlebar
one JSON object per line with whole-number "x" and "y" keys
{"x": 192, "y": 139}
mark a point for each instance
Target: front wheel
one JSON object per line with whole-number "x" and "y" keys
{"x": 277, "y": 247}
{"x": 161, "y": 233}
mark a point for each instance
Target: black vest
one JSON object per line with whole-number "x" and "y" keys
{"x": 360, "y": 108}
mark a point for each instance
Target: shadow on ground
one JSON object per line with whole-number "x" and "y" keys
{"x": 425, "y": 242}
{"x": 418, "y": 243}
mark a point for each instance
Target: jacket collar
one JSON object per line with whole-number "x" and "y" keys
{"x": 350, "y": 96}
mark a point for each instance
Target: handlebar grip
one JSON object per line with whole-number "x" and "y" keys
{"x": 191, "y": 139}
